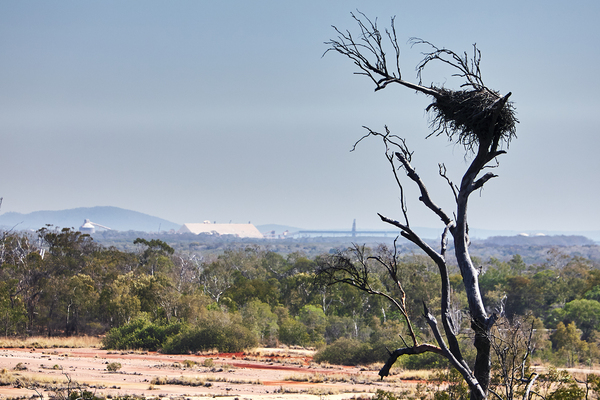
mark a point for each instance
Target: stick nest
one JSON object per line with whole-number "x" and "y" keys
{"x": 467, "y": 116}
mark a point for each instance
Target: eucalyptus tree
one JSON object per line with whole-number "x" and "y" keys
{"x": 473, "y": 116}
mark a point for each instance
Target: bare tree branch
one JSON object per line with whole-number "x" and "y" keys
{"x": 370, "y": 42}
{"x": 399, "y": 143}
{"x": 420, "y": 349}
{"x": 468, "y": 67}
{"x": 340, "y": 268}
{"x": 442, "y": 172}
{"x": 425, "y": 198}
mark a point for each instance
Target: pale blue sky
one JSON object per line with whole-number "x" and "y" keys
{"x": 225, "y": 110}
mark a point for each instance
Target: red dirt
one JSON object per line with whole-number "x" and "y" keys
{"x": 242, "y": 375}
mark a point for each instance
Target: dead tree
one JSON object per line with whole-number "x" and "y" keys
{"x": 513, "y": 343}
{"x": 481, "y": 120}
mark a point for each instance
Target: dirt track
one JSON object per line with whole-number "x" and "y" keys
{"x": 272, "y": 375}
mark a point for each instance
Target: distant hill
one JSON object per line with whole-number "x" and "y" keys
{"x": 539, "y": 240}
{"x": 482, "y": 234}
{"x": 113, "y": 217}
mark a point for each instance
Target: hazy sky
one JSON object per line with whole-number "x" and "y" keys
{"x": 226, "y": 111}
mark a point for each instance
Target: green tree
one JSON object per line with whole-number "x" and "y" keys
{"x": 23, "y": 262}
{"x": 297, "y": 290}
{"x": 192, "y": 306}
{"x": 216, "y": 278}
{"x": 81, "y": 299}
{"x": 247, "y": 261}
{"x": 65, "y": 253}
{"x": 155, "y": 256}
{"x": 346, "y": 351}
{"x": 593, "y": 293}
{"x": 68, "y": 246}
{"x": 517, "y": 265}
{"x": 156, "y": 295}
{"x": 244, "y": 290}
{"x": 522, "y": 296}
{"x": 586, "y": 315}
{"x": 258, "y": 317}
{"x": 315, "y": 321}
{"x": 108, "y": 263}
{"x": 567, "y": 341}
{"x": 340, "y": 327}
{"x": 293, "y": 332}
{"x": 577, "y": 278}
{"x": 119, "y": 302}
{"x": 13, "y": 316}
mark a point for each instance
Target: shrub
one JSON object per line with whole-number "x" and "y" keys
{"x": 83, "y": 395}
{"x": 140, "y": 334}
{"x": 113, "y": 366}
{"x": 352, "y": 351}
{"x": 570, "y": 392}
{"x": 346, "y": 351}
{"x": 20, "y": 367}
{"x": 215, "y": 332}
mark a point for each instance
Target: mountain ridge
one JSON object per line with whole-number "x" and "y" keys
{"x": 116, "y": 218}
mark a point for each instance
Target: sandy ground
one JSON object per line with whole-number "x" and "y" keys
{"x": 269, "y": 374}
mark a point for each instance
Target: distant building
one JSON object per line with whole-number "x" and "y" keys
{"x": 239, "y": 230}
{"x": 89, "y": 227}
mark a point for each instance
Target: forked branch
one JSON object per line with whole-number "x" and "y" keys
{"x": 369, "y": 55}
{"x": 425, "y": 198}
{"x": 468, "y": 68}
{"x": 352, "y": 268}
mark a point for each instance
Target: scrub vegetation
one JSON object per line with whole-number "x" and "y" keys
{"x": 59, "y": 286}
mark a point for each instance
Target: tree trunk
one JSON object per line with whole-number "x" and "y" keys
{"x": 479, "y": 319}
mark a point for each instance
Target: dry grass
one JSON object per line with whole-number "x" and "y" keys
{"x": 126, "y": 352}
{"x": 356, "y": 379}
{"x": 416, "y": 375}
{"x": 281, "y": 352}
{"x": 314, "y": 391}
{"x": 9, "y": 378}
{"x": 42, "y": 342}
{"x": 397, "y": 378}
{"x": 199, "y": 381}
{"x": 182, "y": 380}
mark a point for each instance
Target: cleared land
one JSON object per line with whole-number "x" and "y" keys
{"x": 261, "y": 374}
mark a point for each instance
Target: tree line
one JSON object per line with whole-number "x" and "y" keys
{"x": 60, "y": 282}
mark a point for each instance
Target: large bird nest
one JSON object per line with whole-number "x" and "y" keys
{"x": 467, "y": 116}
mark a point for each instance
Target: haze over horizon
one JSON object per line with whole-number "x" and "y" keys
{"x": 196, "y": 110}
{"x": 123, "y": 220}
